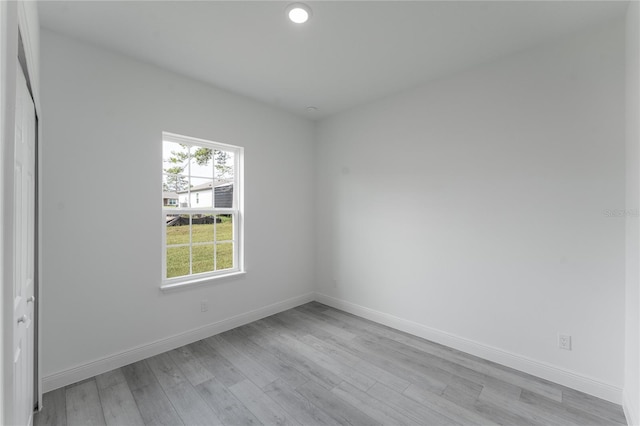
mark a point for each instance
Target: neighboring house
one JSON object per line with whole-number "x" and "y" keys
{"x": 203, "y": 195}
{"x": 169, "y": 199}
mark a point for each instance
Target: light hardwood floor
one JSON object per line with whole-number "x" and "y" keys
{"x": 315, "y": 365}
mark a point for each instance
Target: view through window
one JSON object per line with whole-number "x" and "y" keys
{"x": 201, "y": 200}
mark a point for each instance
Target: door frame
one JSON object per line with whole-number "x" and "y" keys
{"x": 22, "y": 60}
{"x": 18, "y": 20}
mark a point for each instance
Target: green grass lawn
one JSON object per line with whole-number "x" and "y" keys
{"x": 203, "y": 254}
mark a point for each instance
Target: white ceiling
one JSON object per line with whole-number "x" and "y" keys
{"x": 349, "y": 53}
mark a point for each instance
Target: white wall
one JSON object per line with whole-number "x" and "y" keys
{"x": 471, "y": 210}
{"x": 632, "y": 295}
{"x": 105, "y": 114}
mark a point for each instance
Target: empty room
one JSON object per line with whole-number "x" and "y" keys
{"x": 320, "y": 213}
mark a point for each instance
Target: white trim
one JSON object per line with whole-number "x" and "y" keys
{"x": 108, "y": 363}
{"x": 627, "y": 407}
{"x": 188, "y": 210}
{"x": 206, "y": 280}
{"x": 540, "y": 369}
{"x": 189, "y": 140}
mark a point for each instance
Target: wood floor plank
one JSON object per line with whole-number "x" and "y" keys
{"x": 503, "y": 416}
{"x": 54, "y": 409}
{"x": 118, "y": 405}
{"x": 341, "y": 411}
{"x": 325, "y": 347}
{"x": 293, "y": 315}
{"x": 382, "y": 376}
{"x": 227, "y": 407}
{"x": 462, "y": 392}
{"x": 264, "y": 337}
{"x": 110, "y": 378}
{"x": 468, "y": 397}
{"x": 165, "y": 370}
{"x": 356, "y": 363}
{"x": 247, "y": 366}
{"x": 475, "y": 373}
{"x": 388, "y": 371}
{"x": 409, "y": 407}
{"x": 371, "y": 406}
{"x": 263, "y": 407}
{"x": 596, "y": 406}
{"x": 329, "y": 363}
{"x": 138, "y": 375}
{"x": 568, "y": 413}
{"x": 83, "y": 405}
{"x": 216, "y": 364}
{"x": 284, "y": 325}
{"x": 520, "y": 408}
{"x": 190, "y": 365}
{"x": 435, "y": 368}
{"x": 153, "y": 403}
{"x": 402, "y": 366}
{"x": 445, "y": 407}
{"x": 191, "y": 408}
{"x": 298, "y": 406}
{"x": 281, "y": 369}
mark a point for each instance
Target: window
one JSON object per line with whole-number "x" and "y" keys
{"x": 202, "y": 232}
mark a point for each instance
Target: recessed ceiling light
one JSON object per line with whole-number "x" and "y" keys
{"x": 298, "y": 13}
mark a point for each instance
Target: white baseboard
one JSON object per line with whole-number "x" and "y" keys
{"x": 629, "y": 408}
{"x": 108, "y": 363}
{"x": 543, "y": 370}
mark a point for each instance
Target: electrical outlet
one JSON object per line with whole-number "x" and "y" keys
{"x": 204, "y": 306}
{"x": 564, "y": 341}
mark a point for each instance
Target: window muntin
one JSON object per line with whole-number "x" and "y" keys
{"x": 202, "y": 231}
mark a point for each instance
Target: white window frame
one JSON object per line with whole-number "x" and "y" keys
{"x": 237, "y": 213}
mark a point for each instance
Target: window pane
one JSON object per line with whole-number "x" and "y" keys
{"x": 224, "y": 256}
{"x": 174, "y": 154}
{"x": 224, "y": 195}
{"x": 169, "y": 198}
{"x": 202, "y": 228}
{"x": 224, "y": 228}
{"x": 223, "y": 162}
{"x": 174, "y": 165}
{"x": 177, "y": 229}
{"x": 201, "y": 162}
{"x": 183, "y": 199}
{"x": 177, "y": 261}
{"x": 203, "y": 258}
{"x": 174, "y": 182}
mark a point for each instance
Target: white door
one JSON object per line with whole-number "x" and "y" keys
{"x": 23, "y": 249}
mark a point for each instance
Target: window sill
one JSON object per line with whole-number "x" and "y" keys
{"x": 199, "y": 282}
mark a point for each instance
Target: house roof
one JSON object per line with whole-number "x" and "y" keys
{"x": 167, "y": 194}
{"x": 206, "y": 186}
